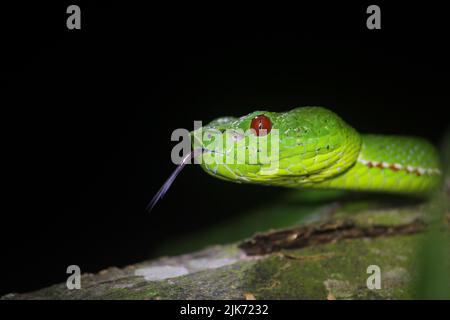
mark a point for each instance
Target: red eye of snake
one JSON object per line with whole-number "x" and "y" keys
{"x": 263, "y": 123}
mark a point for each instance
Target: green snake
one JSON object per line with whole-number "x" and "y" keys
{"x": 317, "y": 149}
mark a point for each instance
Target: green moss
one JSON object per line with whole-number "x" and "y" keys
{"x": 386, "y": 217}
{"x": 336, "y": 270}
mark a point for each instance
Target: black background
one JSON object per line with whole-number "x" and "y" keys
{"x": 87, "y": 114}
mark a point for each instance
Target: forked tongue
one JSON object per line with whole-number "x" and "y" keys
{"x": 165, "y": 187}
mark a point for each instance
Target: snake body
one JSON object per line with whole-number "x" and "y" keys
{"x": 317, "y": 149}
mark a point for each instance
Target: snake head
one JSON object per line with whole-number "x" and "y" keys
{"x": 300, "y": 146}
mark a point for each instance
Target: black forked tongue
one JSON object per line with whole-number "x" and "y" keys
{"x": 165, "y": 187}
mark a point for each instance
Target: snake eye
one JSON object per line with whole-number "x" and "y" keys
{"x": 261, "y": 122}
